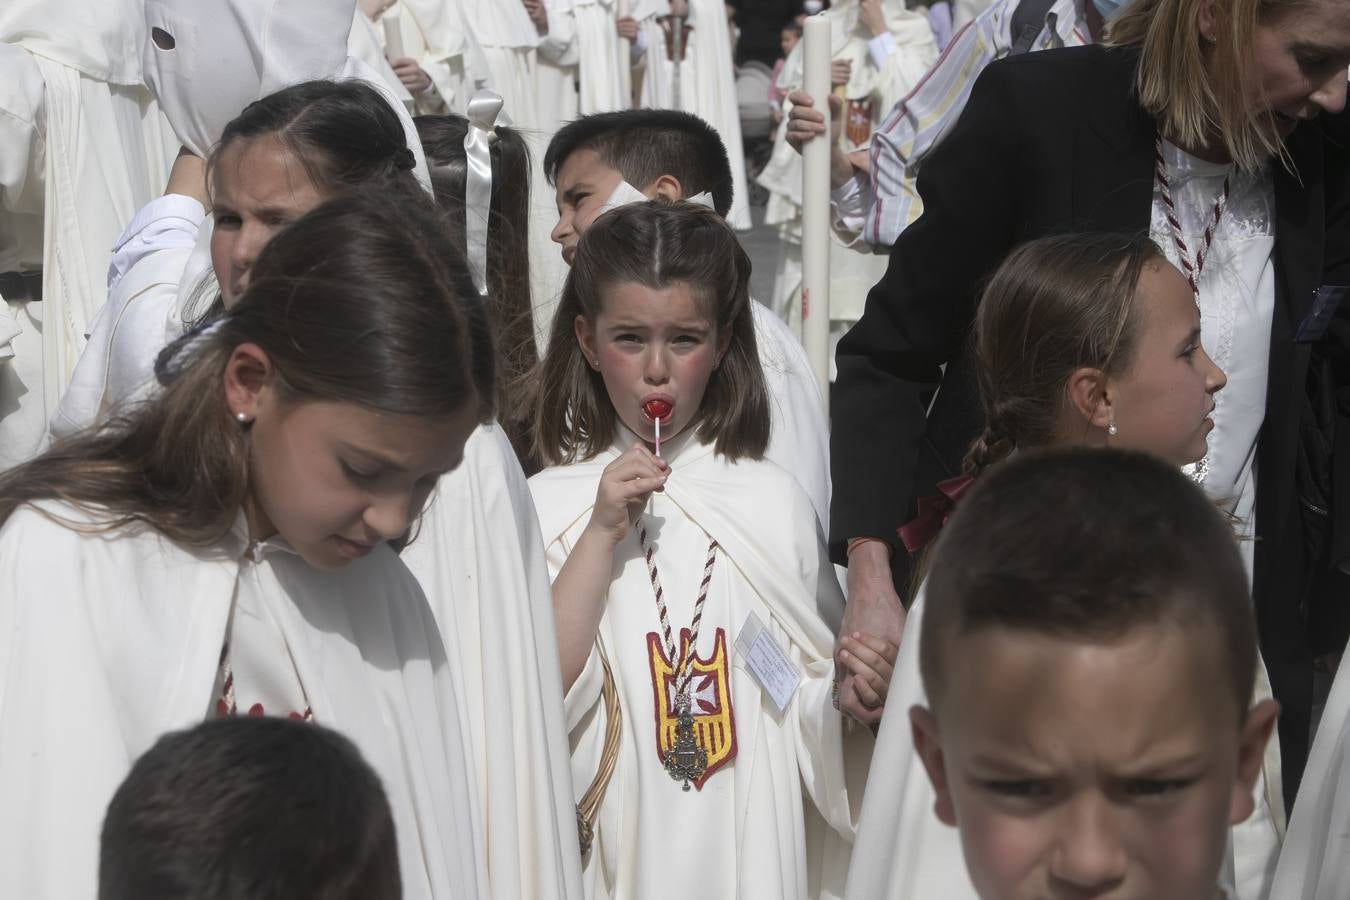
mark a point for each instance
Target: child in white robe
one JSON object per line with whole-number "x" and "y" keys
{"x": 276, "y": 160}
{"x": 719, "y": 785}
{"x": 223, "y": 547}
{"x": 1082, "y": 340}
{"x": 524, "y": 824}
{"x": 1090, "y": 658}
{"x": 603, "y": 161}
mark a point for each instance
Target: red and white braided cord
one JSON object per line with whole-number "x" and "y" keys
{"x": 684, "y": 667}
{"x": 1191, "y": 269}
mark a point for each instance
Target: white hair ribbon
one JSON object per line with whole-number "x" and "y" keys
{"x": 478, "y": 140}
{"x": 624, "y": 194}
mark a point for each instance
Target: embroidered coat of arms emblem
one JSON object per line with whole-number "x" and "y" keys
{"x": 713, "y": 721}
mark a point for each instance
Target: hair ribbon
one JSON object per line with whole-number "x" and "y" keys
{"x": 934, "y": 512}
{"x": 483, "y": 111}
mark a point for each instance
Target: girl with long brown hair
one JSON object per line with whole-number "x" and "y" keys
{"x": 672, "y": 541}
{"x": 222, "y": 548}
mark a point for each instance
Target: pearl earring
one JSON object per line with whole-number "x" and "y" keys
{"x": 1111, "y": 429}
{"x": 242, "y": 417}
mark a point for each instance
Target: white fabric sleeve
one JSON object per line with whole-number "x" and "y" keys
{"x": 559, "y": 46}
{"x": 849, "y": 203}
{"x": 881, "y": 47}
{"x": 165, "y": 223}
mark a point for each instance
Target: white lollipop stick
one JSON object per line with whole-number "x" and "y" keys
{"x": 658, "y": 437}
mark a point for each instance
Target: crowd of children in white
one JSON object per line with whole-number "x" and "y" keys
{"x": 402, "y": 495}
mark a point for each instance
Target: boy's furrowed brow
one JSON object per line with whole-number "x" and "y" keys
{"x": 570, "y": 194}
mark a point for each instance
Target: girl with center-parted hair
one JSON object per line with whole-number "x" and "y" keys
{"x": 222, "y": 548}
{"x": 673, "y": 552}
{"x": 1081, "y": 340}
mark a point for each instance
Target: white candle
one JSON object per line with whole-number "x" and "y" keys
{"x": 393, "y": 35}
{"x": 816, "y": 205}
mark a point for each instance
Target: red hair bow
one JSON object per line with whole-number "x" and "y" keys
{"x": 934, "y": 512}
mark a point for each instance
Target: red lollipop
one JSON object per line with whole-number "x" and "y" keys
{"x": 658, "y": 409}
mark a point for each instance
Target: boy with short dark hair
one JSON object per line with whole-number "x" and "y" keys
{"x": 250, "y": 808}
{"x": 1089, "y": 654}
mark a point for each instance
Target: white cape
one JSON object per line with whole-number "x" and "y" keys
{"x": 778, "y": 821}
{"x": 1315, "y": 861}
{"x": 480, "y": 560}
{"x": 110, "y": 640}
{"x": 903, "y": 852}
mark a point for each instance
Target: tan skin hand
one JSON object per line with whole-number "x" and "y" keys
{"x": 872, "y": 17}
{"x": 188, "y": 177}
{"x": 627, "y": 28}
{"x": 580, "y": 589}
{"x": 413, "y": 76}
{"x": 805, "y": 123}
{"x": 873, "y": 611}
{"x": 840, "y": 72}
{"x": 538, "y": 15}
{"x": 871, "y": 662}
{"x": 625, "y": 486}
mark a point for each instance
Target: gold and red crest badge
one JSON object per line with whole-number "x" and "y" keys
{"x": 714, "y": 723}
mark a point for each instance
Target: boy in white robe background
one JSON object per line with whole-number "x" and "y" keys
{"x": 121, "y": 610}
{"x": 657, "y": 308}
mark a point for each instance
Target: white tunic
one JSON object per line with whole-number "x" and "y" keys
{"x": 579, "y": 65}
{"x": 479, "y": 557}
{"x": 1315, "y": 861}
{"x": 777, "y": 819}
{"x": 903, "y": 852}
{"x": 23, "y": 409}
{"x": 140, "y": 317}
{"x": 110, "y": 640}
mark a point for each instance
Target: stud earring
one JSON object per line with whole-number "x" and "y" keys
{"x": 1111, "y": 429}
{"x": 242, "y": 418}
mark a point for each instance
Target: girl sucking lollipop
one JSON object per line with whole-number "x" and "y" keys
{"x": 687, "y": 586}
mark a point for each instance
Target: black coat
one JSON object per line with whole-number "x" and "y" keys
{"x": 1054, "y": 142}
